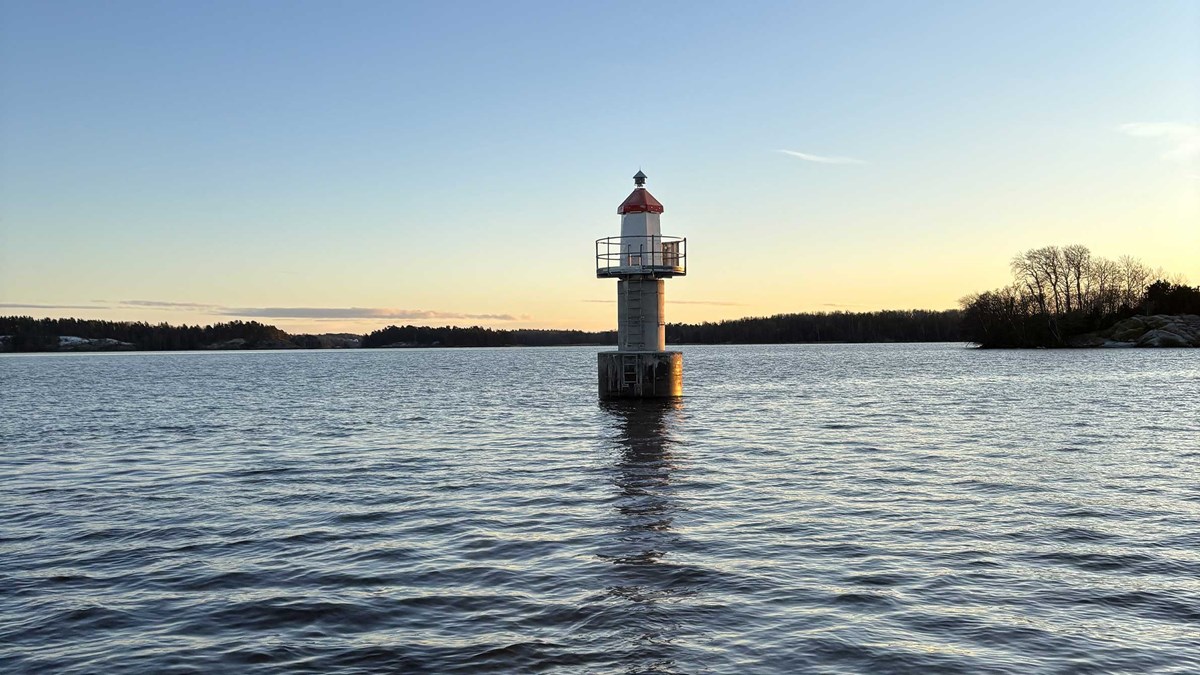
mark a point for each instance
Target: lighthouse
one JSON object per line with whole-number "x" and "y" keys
{"x": 640, "y": 260}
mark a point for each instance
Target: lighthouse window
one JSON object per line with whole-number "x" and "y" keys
{"x": 630, "y": 373}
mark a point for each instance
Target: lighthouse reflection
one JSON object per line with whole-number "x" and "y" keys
{"x": 642, "y": 477}
{"x": 646, "y": 580}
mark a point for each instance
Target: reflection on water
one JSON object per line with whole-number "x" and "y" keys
{"x": 643, "y": 479}
{"x": 643, "y": 545}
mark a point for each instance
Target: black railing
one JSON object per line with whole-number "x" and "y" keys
{"x": 652, "y": 254}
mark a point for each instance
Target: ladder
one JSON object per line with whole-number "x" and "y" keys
{"x": 634, "y": 335}
{"x": 631, "y": 376}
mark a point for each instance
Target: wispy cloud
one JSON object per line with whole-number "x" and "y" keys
{"x": 24, "y": 305}
{"x": 161, "y": 304}
{"x": 1183, "y": 140}
{"x": 279, "y": 312}
{"x": 821, "y": 159}
{"x": 355, "y": 313}
{"x": 119, "y": 304}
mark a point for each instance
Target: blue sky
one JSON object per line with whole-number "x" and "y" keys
{"x": 452, "y": 163}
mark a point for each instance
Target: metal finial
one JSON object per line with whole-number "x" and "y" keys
{"x": 639, "y": 179}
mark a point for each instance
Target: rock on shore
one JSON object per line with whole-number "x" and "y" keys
{"x": 71, "y": 343}
{"x": 1160, "y": 330}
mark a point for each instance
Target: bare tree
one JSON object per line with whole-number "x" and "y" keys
{"x": 1062, "y": 280}
{"x": 1029, "y": 273}
{"x": 1135, "y": 276}
{"x": 1105, "y": 293}
{"x": 1047, "y": 267}
{"x": 1078, "y": 259}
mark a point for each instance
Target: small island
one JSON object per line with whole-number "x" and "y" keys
{"x": 1066, "y": 297}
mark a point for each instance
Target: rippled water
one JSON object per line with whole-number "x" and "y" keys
{"x": 858, "y": 508}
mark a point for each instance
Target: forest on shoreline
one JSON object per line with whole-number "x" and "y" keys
{"x": 27, "y": 334}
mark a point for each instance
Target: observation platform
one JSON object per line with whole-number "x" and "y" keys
{"x": 657, "y": 256}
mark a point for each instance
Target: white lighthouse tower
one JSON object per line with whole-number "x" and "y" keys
{"x": 640, "y": 259}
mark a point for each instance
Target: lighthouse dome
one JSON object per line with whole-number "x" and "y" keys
{"x": 640, "y": 200}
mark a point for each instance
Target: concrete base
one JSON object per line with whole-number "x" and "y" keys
{"x": 640, "y": 374}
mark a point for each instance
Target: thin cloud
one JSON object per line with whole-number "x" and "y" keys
{"x": 319, "y": 313}
{"x": 355, "y": 313}
{"x": 821, "y": 159}
{"x": 23, "y": 305}
{"x": 1183, "y": 139}
{"x": 162, "y": 304}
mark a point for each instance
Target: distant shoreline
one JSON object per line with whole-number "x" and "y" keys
{"x": 597, "y": 345}
{"x": 28, "y": 335}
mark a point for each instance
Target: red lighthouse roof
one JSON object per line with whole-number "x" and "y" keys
{"x": 640, "y": 200}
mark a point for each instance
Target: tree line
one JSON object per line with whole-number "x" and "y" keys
{"x": 27, "y": 334}
{"x": 1061, "y": 292}
{"x": 884, "y": 326}
{"x": 916, "y": 325}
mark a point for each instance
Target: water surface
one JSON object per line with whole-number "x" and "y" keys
{"x": 857, "y": 508}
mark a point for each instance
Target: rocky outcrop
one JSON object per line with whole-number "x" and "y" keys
{"x": 71, "y": 343}
{"x": 1160, "y": 330}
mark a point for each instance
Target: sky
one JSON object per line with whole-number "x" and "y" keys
{"x": 333, "y": 167}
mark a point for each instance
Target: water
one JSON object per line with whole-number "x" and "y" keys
{"x": 858, "y": 508}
